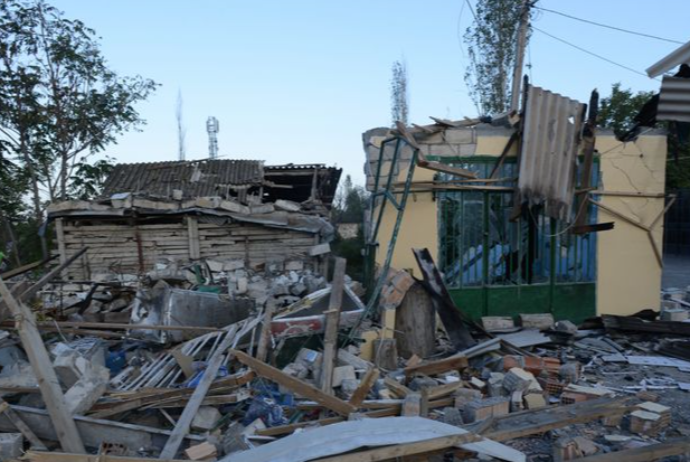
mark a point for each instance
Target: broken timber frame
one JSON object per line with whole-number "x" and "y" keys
{"x": 330, "y": 341}
{"x": 64, "y": 424}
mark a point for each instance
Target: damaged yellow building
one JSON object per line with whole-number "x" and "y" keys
{"x": 536, "y": 263}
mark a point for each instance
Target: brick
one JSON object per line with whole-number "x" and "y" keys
{"x": 518, "y": 379}
{"x": 645, "y": 423}
{"x": 203, "y": 451}
{"x": 485, "y": 408}
{"x": 497, "y": 323}
{"x": 464, "y": 396}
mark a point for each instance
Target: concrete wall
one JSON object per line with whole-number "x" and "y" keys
{"x": 629, "y": 276}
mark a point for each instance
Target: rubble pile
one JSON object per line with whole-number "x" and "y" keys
{"x": 218, "y": 360}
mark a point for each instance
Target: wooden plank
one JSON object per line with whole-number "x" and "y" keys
{"x": 33, "y": 290}
{"x": 396, "y": 387}
{"x": 674, "y": 447}
{"x": 34, "y": 456}
{"x": 436, "y": 367}
{"x": 295, "y": 385}
{"x": 364, "y": 386}
{"x": 23, "y": 428}
{"x": 184, "y": 422}
{"x": 64, "y": 424}
{"x": 265, "y": 337}
{"x": 59, "y": 230}
{"x": 26, "y": 268}
{"x": 193, "y": 230}
{"x": 453, "y": 319}
{"x": 532, "y": 422}
{"x": 330, "y": 342}
{"x": 404, "y": 450}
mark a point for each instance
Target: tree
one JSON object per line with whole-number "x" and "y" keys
{"x": 618, "y": 110}
{"x": 491, "y": 44}
{"x": 59, "y": 101}
{"x": 181, "y": 130}
{"x": 399, "y": 93}
{"x": 350, "y": 203}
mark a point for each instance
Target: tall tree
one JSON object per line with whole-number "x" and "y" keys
{"x": 59, "y": 101}
{"x": 399, "y": 93}
{"x": 491, "y": 43}
{"x": 181, "y": 130}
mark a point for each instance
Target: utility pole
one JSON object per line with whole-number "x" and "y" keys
{"x": 521, "y": 43}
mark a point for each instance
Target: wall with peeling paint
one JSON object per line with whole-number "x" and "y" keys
{"x": 629, "y": 275}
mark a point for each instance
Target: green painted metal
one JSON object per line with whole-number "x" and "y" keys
{"x": 531, "y": 266}
{"x": 372, "y": 239}
{"x": 575, "y": 302}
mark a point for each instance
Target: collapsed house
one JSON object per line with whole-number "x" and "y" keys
{"x": 221, "y": 210}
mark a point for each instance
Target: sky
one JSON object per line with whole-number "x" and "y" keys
{"x": 300, "y": 81}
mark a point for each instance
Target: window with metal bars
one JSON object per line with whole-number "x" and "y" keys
{"x": 533, "y": 250}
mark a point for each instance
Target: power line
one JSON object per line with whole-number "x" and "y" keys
{"x": 592, "y": 53}
{"x": 627, "y": 31}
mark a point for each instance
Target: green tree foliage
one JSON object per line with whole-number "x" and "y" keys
{"x": 59, "y": 104}
{"x": 491, "y": 45}
{"x": 349, "y": 207}
{"x": 617, "y": 112}
{"x": 399, "y": 93}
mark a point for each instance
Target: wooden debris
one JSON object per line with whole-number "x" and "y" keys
{"x": 330, "y": 347}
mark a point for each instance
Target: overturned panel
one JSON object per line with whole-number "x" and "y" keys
{"x": 164, "y": 306}
{"x": 553, "y": 124}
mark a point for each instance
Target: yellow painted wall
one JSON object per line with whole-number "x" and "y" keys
{"x": 628, "y": 274}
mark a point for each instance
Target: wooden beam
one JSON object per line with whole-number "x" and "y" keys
{"x": 33, "y": 290}
{"x": 265, "y": 337}
{"x": 23, "y": 428}
{"x": 295, "y": 385}
{"x": 193, "y": 235}
{"x": 438, "y": 366}
{"x": 674, "y": 447}
{"x": 26, "y": 268}
{"x": 396, "y": 387}
{"x": 184, "y": 422}
{"x": 332, "y": 319}
{"x": 364, "y": 386}
{"x": 34, "y": 456}
{"x": 64, "y": 424}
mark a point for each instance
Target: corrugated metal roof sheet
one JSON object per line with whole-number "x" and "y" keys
{"x": 549, "y": 151}
{"x": 680, "y": 55}
{"x": 193, "y": 178}
{"x": 674, "y": 100}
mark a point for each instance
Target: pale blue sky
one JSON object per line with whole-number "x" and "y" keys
{"x": 299, "y": 81}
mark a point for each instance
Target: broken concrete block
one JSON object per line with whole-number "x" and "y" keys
{"x": 70, "y": 366}
{"x": 412, "y": 405}
{"x": 540, "y": 321}
{"x": 386, "y": 353}
{"x": 232, "y": 206}
{"x": 516, "y": 401}
{"x": 204, "y": 451}
{"x": 341, "y": 373}
{"x": 205, "y": 418}
{"x": 498, "y": 323}
{"x": 485, "y": 408}
{"x": 495, "y": 384}
{"x": 233, "y": 439}
{"x": 20, "y": 374}
{"x": 452, "y": 416}
{"x": 320, "y": 249}
{"x": 464, "y": 396}
{"x": 517, "y": 379}
{"x": 294, "y": 265}
{"x": 534, "y": 401}
{"x": 11, "y": 446}
{"x": 477, "y": 383}
{"x": 645, "y": 423}
{"x": 566, "y": 326}
{"x": 233, "y": 265}
{"x": 676, "y": 314}
{"x": 83, "y": 395}
{"x": 289, "y": 206}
